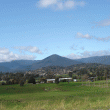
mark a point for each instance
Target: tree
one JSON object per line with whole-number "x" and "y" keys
{"x": 21, "y": 83}
{"x": 8, "y": 82}
{"x": 43, "y": 79}
{"x": 84, "y": 77}
{"x": 57, "y": 80}
{"x": 74, "y": 77}
{"x": 32, "y": 80}
{"x": 3, "y": 83}
{"x": 50, "y": 76}
{"x": 70, "y": 74}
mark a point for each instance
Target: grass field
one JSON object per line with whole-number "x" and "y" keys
{"x": 64, "y": 96}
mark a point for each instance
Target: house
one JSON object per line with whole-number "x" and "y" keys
{"x": 50, "y": 80}
{"x": 68, "y": 79}
{"x": 75, "y": 80}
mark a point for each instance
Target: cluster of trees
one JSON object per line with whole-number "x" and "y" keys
{"x": 18, "y": 78}
{"x": 21, "y": 78}
{"x": 101, "y": 73}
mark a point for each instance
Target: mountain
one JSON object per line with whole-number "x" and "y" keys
{"x": 54, "y": 60}
{"x": 16, "y": 65}
{"x": 4, "y": 69}
{"x": 96, "y": 59}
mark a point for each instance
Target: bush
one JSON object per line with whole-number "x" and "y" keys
{"x": 21, "y": 83}
{"x": 50, "y": 81}
{"x": 57, "y": 80}
{"x": 64, "y": 80}
{"x": 43, "y": 80}
{"x": 26, "y": 81}
{"x": 16, "y": 82}
{"x": 38, "y": 82}
{"x": 12, "y": 81}
{"x": 104, "y": 78}
{"x": 32, "y": 80}
{"x": 3, "y": 83}
{"x": 75, "y": 77}
{"x": 8, "y": 82}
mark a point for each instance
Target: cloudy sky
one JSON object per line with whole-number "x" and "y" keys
{"x": 36, "y": 29}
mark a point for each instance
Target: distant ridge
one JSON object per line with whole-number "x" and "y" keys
{"x": 52, "y": 60}
{"x": 96, "y": 59}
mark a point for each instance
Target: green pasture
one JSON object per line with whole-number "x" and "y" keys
{"x": 62, "y": 96}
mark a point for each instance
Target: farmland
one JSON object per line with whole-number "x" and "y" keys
{"x": 62, "y": 96}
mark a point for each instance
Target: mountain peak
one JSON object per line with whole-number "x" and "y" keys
{"x": 54, "y": 55}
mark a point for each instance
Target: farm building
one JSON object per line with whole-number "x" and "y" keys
{"x": 50, "y": 80}
{"x": 75, "y": 80}
{"x": 68, "y": 79}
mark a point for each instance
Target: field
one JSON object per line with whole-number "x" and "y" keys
{"x": 62, "y": 96}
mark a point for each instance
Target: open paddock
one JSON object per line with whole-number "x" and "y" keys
{"x": 62, "y": 96}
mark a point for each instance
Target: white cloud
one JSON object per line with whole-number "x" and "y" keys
{"x": 6, "y": 56}
{"x": 46, "y": 3}
{"x": 73, "y": 56}
{"x": 59, "y": 4}
{"x": 87, "y": 36}
{"x": 73, "y": 47}
{"x": 31, "y": 49}
{"x": 103, "y": 23}
{"x": 103, "y": 39}
{"x": 80, "y": 35}
{"x": 4, "y": 51}
{"x": 86, "y": 54}
{"x": 69, "y": 4}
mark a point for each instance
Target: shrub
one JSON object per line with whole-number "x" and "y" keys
{"x": 32, "y": 80}
{"x": 16, "y": 82}
{"x": 26, "y": 82}
{"x": 12, "y": 81}
{"x": 75, "y": 77}
{"x": 56, "y": 80}
{"x": 50, "y": 81}
{"x": 21, "y": 83}
{"x": 3, "y": 83}
{"x": 64, "y": 80}
{"x": 8, "y": 82}
{"x": 43, "y": 80}
{"x": 104, "y": 78}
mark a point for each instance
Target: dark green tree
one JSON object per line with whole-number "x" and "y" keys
{"x": 70, "y": 74}
{"x": 57, "y": 80}
{"x": 32, "y": 80}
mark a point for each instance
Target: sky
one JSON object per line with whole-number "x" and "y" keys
{"x": 36, "y": 29}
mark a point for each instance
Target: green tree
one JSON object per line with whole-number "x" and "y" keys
{"x": 31, "y": 80}
{"x": 57, "y": 80}
{"x": 70, "y": 74}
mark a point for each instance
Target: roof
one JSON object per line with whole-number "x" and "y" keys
{"x": 65, "y": 78}
{"x": 50, "y": 79}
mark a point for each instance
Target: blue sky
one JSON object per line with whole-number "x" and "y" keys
{"x": 36, "y": 29}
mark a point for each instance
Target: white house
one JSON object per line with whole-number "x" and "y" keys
{"x": 75, "y": 80}
{"x": 70, "y": 79}
{"x": 48, "y": 80}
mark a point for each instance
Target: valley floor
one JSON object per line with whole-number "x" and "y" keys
{"x": 62, "y": 96}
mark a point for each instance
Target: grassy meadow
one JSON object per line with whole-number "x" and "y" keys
{"x": 62, "y": 96}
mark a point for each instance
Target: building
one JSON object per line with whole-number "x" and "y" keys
{"x": 50, "y": 80}
{"x": 68, "y": 79}
{"x": 75, "y": 80}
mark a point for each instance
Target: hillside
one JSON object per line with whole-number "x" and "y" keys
{"x": 54, "y": 60}
{"x": 96, "y": 59}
